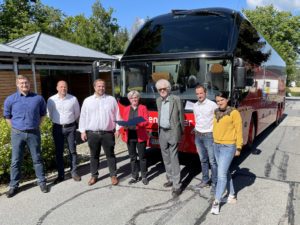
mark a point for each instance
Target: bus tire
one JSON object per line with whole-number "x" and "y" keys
{"x": 278, "y": 116}
{"x": 251, "y": 134}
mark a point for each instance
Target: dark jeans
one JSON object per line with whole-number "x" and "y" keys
{"x": 19, "y": 140}
{"x": 204, "y": 144}
{"x": 133, "y": 145}
{"x": 107, "y": 141}
{"x": 59, "y": 135}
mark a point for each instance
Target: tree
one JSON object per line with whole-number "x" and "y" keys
{"x": 100, "y": 32}
{"x": 281, "y": 29}
{"x": 22, "y": 17}
{"x": 111, "y": 39}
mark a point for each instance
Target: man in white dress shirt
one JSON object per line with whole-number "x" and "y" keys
{"x": 97, "y": 126}
{"x": 64, "y": 110}
{"x": 204, "y": 115}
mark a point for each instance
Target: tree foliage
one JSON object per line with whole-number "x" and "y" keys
{"x": 281, "y": 29}
{"x": 100, "y": 32}
{"x": 21, "y": 17}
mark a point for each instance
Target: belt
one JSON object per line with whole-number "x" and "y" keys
{"x": 101, "y": 131}
{"x": 202, "y": 133}
{"x": 27, "y": 131}
{"x": 164, "y": 129}
{"x": 65, "y": 125}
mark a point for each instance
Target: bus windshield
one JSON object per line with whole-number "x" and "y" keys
{"x": 183, "y": 33}
{"x": 184, "y": 75}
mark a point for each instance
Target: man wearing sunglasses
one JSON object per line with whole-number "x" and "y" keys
{"x": 170, "y": 121}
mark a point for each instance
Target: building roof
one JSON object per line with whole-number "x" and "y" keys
{"x": 46, "y": 46}
{"x": 4, "y": 50}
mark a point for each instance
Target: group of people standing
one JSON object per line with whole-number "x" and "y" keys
{"x": 218, "y": 134}
{"x": 218, "y": 138}
{"x": 24, "y": 111}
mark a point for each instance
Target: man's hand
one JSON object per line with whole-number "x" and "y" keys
{"x": 117, "y": 134}
{"x": 8, "y": 122}
{"x": 83, "y": 136}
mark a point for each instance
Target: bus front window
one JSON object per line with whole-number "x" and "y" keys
{"x": 184, "y": 75}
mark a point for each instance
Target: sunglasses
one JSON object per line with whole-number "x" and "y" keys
{"x": 162, "y": 89}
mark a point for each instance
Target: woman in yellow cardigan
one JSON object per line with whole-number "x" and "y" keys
{"x": 228, "y": 141}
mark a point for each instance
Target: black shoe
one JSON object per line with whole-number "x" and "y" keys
{"x": 58, "y": 180}
{"x": 168, "y": 184}
{"x": 176, "y": 192}
{"x": 133, "y": 181}
{"x": 44, "y": 188}
{"x": 145, "y": 181}
{"x": 12, "y": 192}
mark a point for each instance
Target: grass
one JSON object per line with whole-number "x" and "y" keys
{"x": 294, "y": 91}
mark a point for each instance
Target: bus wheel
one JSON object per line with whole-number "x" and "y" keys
{"x": 278, "y": 116}
{"x": 251, "y": 134}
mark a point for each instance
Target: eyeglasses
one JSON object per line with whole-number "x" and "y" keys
{"x": 162, "y": 89}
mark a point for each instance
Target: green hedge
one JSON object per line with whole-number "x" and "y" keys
{"x": 48, "y": 151}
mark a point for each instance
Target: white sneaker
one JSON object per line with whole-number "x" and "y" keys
{"x": 215, "y": 209}
{"x": 231, "y": 199}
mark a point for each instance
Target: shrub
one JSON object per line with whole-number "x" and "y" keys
{"x": 5, "y": 148}
{"x": 47, "y": 148}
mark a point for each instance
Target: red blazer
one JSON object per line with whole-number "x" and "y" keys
{"x": 141, "y": 127}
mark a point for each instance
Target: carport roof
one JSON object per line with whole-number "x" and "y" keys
{"x": 4, "y": 49}
{"x": 46, "y": 46}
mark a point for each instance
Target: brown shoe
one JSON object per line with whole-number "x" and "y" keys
{"x": 76, "y": 178}
{"x": 92, "y": 181}
{"x": 114, "y": 180}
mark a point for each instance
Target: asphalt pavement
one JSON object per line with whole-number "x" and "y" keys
{"x": 266, "y": 181}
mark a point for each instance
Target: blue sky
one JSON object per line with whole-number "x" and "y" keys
{"x": 128, "y": 11}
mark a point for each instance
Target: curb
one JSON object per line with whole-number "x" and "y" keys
{"x": 293, "y": 98}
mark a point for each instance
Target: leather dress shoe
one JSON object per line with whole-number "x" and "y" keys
{"x": 133, "y": 181}
{"x": 76, "y": 178}
{"x": 145, "y": 181}
{"x": 176, "y": 192}
{"x": 44, "y": 188}
{"x": 114, "y": 180}
{"x": 168, "y": 184}
{"x": 92, "y": 181}
{"x": 58, "y": 180}
{"x": 12, "y": 192}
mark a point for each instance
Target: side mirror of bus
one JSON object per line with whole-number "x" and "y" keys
{"x": 239, "y": 73}
{"x": 240, "y": 77}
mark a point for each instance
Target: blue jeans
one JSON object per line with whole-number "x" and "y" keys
{"x": 224, "y": 155}
{"x": 33, "y": 140}
{"x": 204, "y": 145}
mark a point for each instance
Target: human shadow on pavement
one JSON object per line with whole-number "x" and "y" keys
{"x": 192, "y": 168}
{"x": 242, "y": 177}
{"x": 154, "y": 164}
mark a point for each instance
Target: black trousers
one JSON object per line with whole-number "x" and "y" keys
{"x": 96, "y": 140}
{"x": 61, "y": 134}
{"x": 137, "y": 148}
